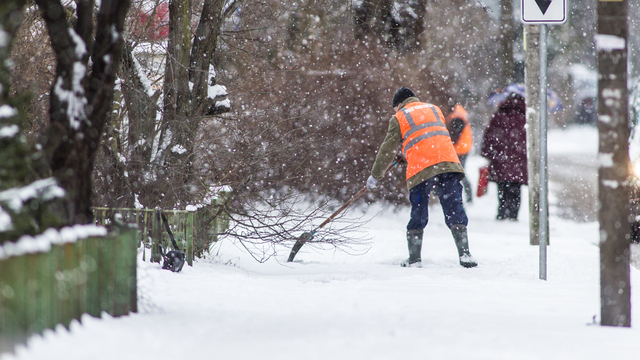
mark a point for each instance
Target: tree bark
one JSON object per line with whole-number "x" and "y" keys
{"x": 506, "y": 42}
{"x": 204, "y": 47}
{"x": 613, "y": 171}
{"x": 81, "y": 100}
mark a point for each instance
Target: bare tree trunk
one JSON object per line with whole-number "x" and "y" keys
{"x": 613, "y": 172}
{"x": 177, "y": 93}
{"x": 187, "y": 80}
{"x": 141, "y": 111}
{"x": 204, "y": 47}
{"x": 506, "y": 42}
{"x": 81, "y": 99}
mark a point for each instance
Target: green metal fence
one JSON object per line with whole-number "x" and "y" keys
{"x": 151, "y": 228}
{"x": 56, "y": 277}
{"x": 194, "y": 230}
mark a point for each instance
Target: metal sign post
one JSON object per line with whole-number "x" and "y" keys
{"x": 543, "y": 12}
{"x": 543, "y": 153}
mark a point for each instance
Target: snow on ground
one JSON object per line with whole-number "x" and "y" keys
{"x": 331, "y": 305}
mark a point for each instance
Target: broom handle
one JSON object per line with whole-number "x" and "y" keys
{"x": 350, "y": 201}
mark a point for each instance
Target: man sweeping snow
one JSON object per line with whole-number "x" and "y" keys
{"x": 431, "y": 163}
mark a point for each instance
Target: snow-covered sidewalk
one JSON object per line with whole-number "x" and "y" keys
{"x": 331, "y": 305}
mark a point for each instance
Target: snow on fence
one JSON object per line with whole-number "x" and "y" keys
{"x": 57, "y": 276}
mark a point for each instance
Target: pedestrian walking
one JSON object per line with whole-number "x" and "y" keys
{"x": 462, "y": 138}
{"x": 505, "y": 146}
{"x": 419, "y": 128}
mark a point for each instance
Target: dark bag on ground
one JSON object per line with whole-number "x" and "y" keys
{"x": 174, "y": 259}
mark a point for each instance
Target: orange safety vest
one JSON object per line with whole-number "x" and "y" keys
{"x": 465, "y": 141}
{"x": 425, "y": 139}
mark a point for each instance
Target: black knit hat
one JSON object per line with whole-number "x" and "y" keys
{"x": 401, "y": 95}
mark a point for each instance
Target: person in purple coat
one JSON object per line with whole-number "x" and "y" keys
{"x": 505, "y": 146}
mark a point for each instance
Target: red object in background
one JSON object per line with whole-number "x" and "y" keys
{"x": 483, "y": 181}
{"x": 157, "y": 28}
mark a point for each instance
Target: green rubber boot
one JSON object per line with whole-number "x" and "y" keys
{"x": 459, "y": 233}
{"x": 414, "y": 242}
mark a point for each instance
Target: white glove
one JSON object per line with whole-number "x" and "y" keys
{"x": 372, "y": 183}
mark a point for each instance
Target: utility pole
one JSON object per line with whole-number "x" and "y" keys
{"x": 613, "y": 163}
{"x": 532, "y": 95}
{"x": 506, "y": 41}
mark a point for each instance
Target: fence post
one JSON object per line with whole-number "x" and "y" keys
{"x": 132, "y": 265}
{"x": 138, "y": 226}
{"x": 92, "y": 257}
{"x": 56, "y": 256}
{"x": 46, "y": 311}
{"x": 189, "y": 234}
{"x": 67, "y": 284}
{"x": 156, "y": 229}
{"x": 32, "y": 295}
{"x": 143, "y": 232}
{"x": 106, "y": 277}
{"x": 81, "y": 276}
{"x": 121, "y": 293}
{"x": 13, "y": 290}
{"x": 215, "y": 224}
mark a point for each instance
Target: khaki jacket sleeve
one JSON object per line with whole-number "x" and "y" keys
{"x": 388, "y": 149}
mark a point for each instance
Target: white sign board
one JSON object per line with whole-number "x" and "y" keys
{"x": 544, "y": 11}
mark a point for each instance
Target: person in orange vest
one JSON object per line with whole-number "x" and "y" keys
{"x": 462, "y": 138}
{"x": 419, "y": 128}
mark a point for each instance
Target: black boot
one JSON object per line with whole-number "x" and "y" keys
{"x": 459, "y": 233}
{"x": 414, "y": 242}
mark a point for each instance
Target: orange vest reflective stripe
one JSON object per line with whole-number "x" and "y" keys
{"x": 425, "y": 139}
{"x": 465, "y": 141}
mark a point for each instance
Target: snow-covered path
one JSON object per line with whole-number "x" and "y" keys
{"x": 330, "y": 305}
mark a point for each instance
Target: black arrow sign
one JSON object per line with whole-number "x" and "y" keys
{"x": 543, "y": 5}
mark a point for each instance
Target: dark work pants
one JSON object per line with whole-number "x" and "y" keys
{"x": 509, "y": 200}
{"x": 449, "y": 191}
